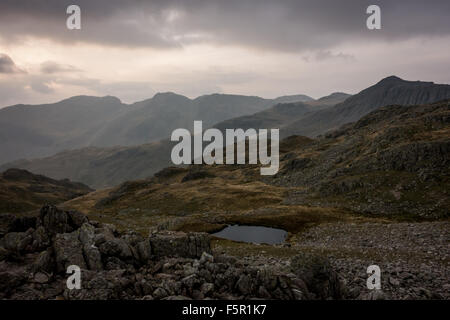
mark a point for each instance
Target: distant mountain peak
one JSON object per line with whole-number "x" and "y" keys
{"x": 167, "y": 94}
{"x": 394, "y": 80}
{"x": 84, "y": 98}
{"x": 293, "y": 98}
{"x": 335, "y": 95}
{"x": 391, "y": 78}
{"x": 165, "y": 97}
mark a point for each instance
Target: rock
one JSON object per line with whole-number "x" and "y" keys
{"x": 263, "y": 293}
{"x": 105, "y": 232}
{"x": 144, "y": 251}
{"x": 114, "y": 263}
{"x": 41, "y": 239}
{"x": 197, "y": 295}
{"x": 3, "y": 253}
{"x": 40, "y": 278}
{"x": 87, "y": 234}
{"x": 190, "y": 281}
{"x": 11, "y": 279}
{"x": 159, "y": 293}
{"x": 244, "y": 285}
{"x": 93, "y": 257}
{"x": 44, "y": 261}
{"x": 102, "y": 285}
{"x": 115, "y": 248}
{"x": 206, "y": 257}
{"x": 76, "y": 219}
{"x": 207, "y": 288}
{"x": 394, "y": 281}
{"x": 91, "y": 252}
{"x": 17, "y": 242}
{"x": 299, "y": 295}
{"x": 54, "y": 220}
{"x": 318, "y": 275}
{"x": 68, "y": 251}
{"x": 180, "y": 244}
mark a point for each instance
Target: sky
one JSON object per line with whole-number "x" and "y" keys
{"x": 134, "y": 49}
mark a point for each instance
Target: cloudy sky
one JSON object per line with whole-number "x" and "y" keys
{"x": 133, "y": 49}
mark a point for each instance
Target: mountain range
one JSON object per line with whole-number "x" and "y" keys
{"x": 101, "y": 167}
{"x": 30, "y": 131}
{"x": 345, "y": 109}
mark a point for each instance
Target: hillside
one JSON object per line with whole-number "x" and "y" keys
{"x": 105, "y": 167}
{"x": 282, "y": 114}
{"x": 316, "y": 117}
{"x": 101, "y": 167}
{"x": 391, "y": 90}
{"x": 21, "y": 191}
{"x": 28, "y": 131}
{"x": 393, "y": 163}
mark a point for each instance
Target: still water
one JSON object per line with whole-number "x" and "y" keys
{"x": 253, "y": 234}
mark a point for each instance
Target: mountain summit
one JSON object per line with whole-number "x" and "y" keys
{"x": 388, "y": 91}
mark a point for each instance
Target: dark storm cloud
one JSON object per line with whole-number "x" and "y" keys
{"x": 7, "y": 65}
{"x": 276, "y": 25}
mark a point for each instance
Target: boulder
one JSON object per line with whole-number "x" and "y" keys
{"x": 68, "y": 251}
{"x": 101, "y": 285}
{"x": 41, "y": 239}
{"x": 91, "y": 253}
{"x": 45, "y": 261}
{"x": 116, "y": 248}
{"x": 18, "y": 242}
{"x": 318, "y": 275}
{"x": 144, "y": 251}
{"x": 179, "y": 244}
{"x": 76, "y": 219}
{"x": 54, "y": 220}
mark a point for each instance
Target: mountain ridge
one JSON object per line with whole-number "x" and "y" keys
{"x": 110, "y": 166}
{"x": 30, "y": 131}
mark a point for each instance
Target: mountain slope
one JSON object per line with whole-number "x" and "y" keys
{"x": 394, "y": 163}
{"x": 21, "y": 191}
{"x": 34, "y": 131}
{"x": 282, "y": 114}
{"x": 42, "y": 130}
{"x": 101, "y": 167}
{"x": 391, "y": 90}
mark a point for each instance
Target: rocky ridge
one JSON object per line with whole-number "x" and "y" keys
{"x": 35, "y": 253}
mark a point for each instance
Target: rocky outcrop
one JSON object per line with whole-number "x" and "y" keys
{"x": 318, "y": 275}
{"x": 393, "y": 161}
{"x": 165, "y": 265}
{"x": 178, "y": 244}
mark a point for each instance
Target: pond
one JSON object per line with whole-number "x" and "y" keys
{"x": 252, "y": 234}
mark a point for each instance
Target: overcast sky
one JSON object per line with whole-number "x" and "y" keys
{"x": 133, "y": 49}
